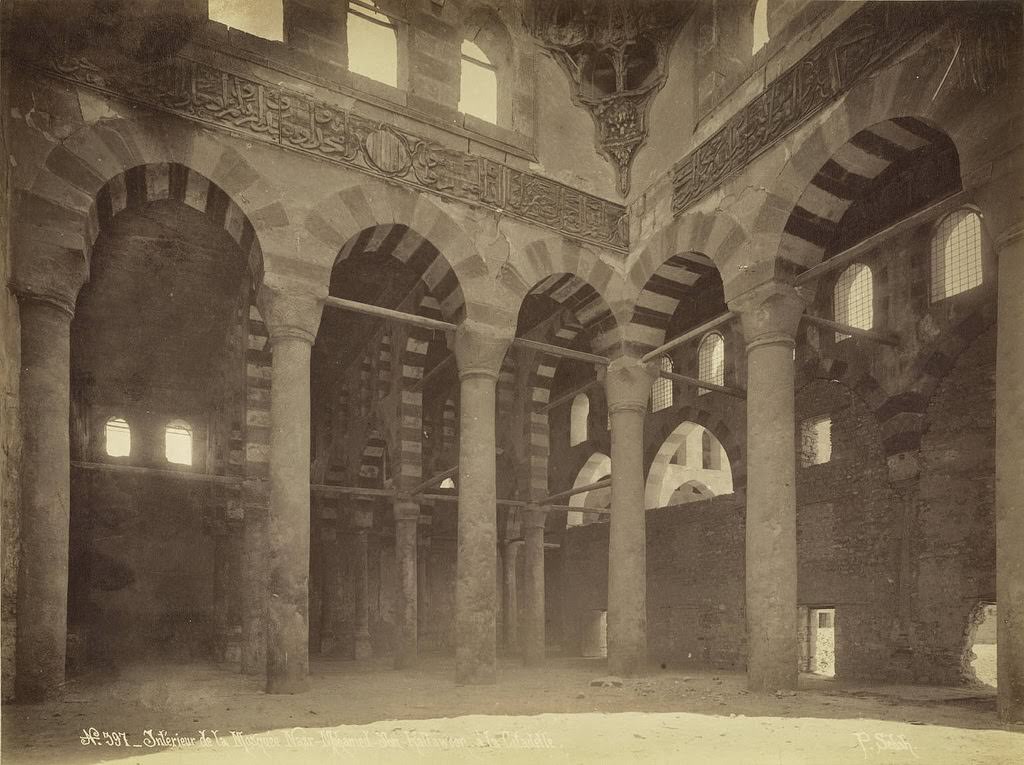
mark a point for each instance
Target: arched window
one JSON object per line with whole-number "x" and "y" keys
{"x": 262, "y": 18}
{"x": 711, "y": 360}
{"x": 853, "y": 299}
{"x": 372, "y": 43}
{"x": 578, "y": 420}
{"x": 956, "y": 254}
{"x": 178, "y": 443}
{"x": 118, "y": 438}
{"x": 661, "y": 391}
{"x": 478, "y": 90}
{"x": 760, "y": 31}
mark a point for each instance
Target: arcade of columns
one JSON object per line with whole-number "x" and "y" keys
{"x": 769, "y": 316}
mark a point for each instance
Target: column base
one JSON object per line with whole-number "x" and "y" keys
{"x": 475, "y": 675}
{"x": 363, "y": 648}
{"x": 627, "y": 666}
{"x": 764, "y": 683}
{"x": 287, "y": 685}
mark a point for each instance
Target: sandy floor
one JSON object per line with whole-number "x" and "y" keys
{"x": 371, "y": 714}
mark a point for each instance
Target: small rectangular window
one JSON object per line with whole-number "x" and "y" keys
{"x": 815, "y": 441}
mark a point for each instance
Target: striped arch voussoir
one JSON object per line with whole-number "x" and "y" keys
{"x": 168, "y": 180}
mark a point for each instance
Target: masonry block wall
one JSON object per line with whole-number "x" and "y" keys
{"x": 953, "y": 540}
{"x": 10, "y": 437}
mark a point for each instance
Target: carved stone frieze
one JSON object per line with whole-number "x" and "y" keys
{"x": 296, "y": 121}
{"x": 615, "y": 52}
{"x": 858, "y": 48}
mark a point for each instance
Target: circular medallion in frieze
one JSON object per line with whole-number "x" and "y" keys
{"x": 388, "y": 151}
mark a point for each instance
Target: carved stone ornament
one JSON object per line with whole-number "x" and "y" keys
{"x": 865, "y": 43}
{"x": 615, "y": 52}
{"x": 300, "y": 122}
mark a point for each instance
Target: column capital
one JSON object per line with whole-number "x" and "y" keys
{"x": 628, "y": 382}
{"x": 406, "y": 509}
{"x": 48, "y": 273}
{"x": 534, "y": 517}
{"x": 770, "y": 313}
{"x": 291, "y": 310}
{"x": 480, "y": 348}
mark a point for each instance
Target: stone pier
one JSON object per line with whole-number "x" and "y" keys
{"x": 292, "y": 317}
{"x": 479, "y": 351}
{"x": 770, "y": 314}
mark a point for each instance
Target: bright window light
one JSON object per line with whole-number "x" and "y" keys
{"x": 661, "y": 391}
{"x": 118, "y": 436}
{"x": 853, "y": 299}
{"x": 262, "y": 18}
{"x": 178, "y": 443}
{"x": 478, "y": 92}
{"x": 760, "y": 36}
{"x": 372, "y": 44}
{"x": 711, "y": 361}
{"x": 815, "y": 441}
{"x": 447, "y": 483}
{"x": 956, "y": 255}
{"x": 578, "y": 419}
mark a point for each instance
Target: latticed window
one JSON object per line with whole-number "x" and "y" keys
{"x": 661, "y": 391}
{"x": 853, "y": 299}
{"x": 372, "y": 43}
{"x": 711, "y": 360}
{"x": 478, "y": 90}
{"x": 956, "y": 254}
{"x": 118, "y": 437}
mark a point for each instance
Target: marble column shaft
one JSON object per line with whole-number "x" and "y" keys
{"x": 510, "y": 588}
{"x": 363, "y": 522}
{"x": 533, "y": 636}
{"x": 479, "y": 351}
{"x": 628, "y": 385}
{"x": 292, "y": 318}
{"x": 770, "y": 314}
{"x": 406, "y": 527}
{"x": 45, "y": 496}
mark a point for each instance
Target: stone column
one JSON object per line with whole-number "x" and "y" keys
{"x": 1010, "y": 477}
{"x": 362, "y": 519}
{"x": 533, "y": 574}
{"x": 292, "y": 317}
{"x": 628, "y": 383}
{"x": 423, "y": 579}
{"x": 254, "y": 578}
{"x": 47, "y": 285}
{"x": 770, "y": 314}
{"x": 510, "y": 589}
{"x": 407, "y": 515}
{"x": 479, "y": 351}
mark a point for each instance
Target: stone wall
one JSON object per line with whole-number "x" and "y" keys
{"x": 10, "y": 438}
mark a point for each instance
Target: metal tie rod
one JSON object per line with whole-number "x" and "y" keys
{"x": 694, "y": 382}
{"x": 604, "y": 483}
{"x": 846, "y": 329}
{"x": 423, "y": 321}
{"x": 696, "y": 331}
